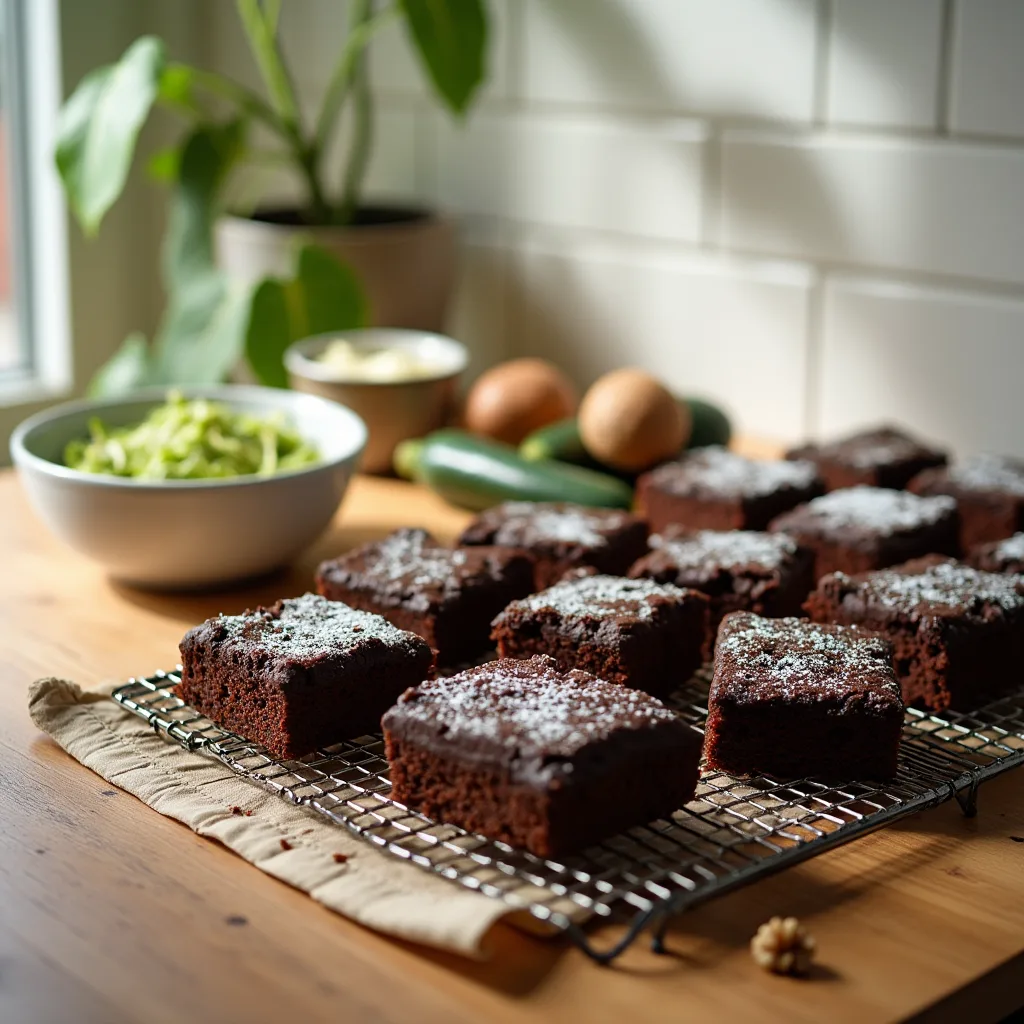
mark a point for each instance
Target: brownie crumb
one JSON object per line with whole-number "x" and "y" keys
{"x": 285, "y": 845}
{"x": 340, "y": 858}
{"x": 1017, "y": 839}
{"x": 236, "y": 810}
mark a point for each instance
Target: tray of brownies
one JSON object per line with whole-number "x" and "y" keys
{"x": 591, "y": 713}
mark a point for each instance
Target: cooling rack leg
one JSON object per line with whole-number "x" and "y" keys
{"x": 604, "y": 957}
{"x": 968, "y": 800}
{"x": 658, "y": 936}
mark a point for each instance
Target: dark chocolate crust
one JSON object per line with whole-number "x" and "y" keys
{"x": 546, "y": 760}
{"x": 446, "y": 595}
{"x": 715, "y": 489}
{"x": 790, "y": 698}
{"x": 301, "y": 675}
{"x": 560, "y": 537}
{"x": 1000, "y": 555}
{"x": 738, "y": 570}
{"x": 882, "y": 457}
{"x": 989, "y": 491}
{"x": 646, "y": 635}
{"x": 861, "y": 528}
{"x": 958, "y": 632}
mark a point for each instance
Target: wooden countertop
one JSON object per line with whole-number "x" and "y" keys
{"x": 927, "y": 914}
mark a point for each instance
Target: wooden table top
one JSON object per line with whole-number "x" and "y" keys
{"x": 924, "y": 917}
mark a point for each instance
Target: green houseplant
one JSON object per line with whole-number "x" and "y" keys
{"x": 212, "y": 318}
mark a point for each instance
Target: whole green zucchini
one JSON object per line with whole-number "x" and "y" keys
{"x": 560, "y": 441}
{"x": 476, "y": 473}
{"x": 710, "y": 425}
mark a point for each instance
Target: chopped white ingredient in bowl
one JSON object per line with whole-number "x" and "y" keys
{"x": 376, "y": 365}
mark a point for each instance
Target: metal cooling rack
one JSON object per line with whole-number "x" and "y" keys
{"x": 733, "y": 832}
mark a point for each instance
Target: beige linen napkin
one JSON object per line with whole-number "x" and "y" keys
{"x": 291, "y": 843}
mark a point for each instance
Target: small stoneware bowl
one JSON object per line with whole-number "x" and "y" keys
{"x": 184, "y": 534}
{"x": 393, "y": 411}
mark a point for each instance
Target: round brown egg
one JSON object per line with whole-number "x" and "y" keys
{"x": 630, "y": 421}
{"x": 515, "y": 398}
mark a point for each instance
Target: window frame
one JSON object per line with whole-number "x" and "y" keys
{"x": 39, "y": 230}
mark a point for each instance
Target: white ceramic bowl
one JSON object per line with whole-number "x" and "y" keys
{"x": 393, "y": 412}
{"x": 188, "y": 533}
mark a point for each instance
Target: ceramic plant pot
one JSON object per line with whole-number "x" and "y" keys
{"x": 405, "y": 258}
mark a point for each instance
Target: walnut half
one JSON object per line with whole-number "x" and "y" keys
{"x": 783, "y": 945}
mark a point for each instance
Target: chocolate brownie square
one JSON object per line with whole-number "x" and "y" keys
{"x": 446, "y": 595}
{"x": 883, "y": 457}
{"x": 542, "y": 759}
{"x": 958, "y": 631}
{"x": 650, "y": 636}
{"x": 738, "y": 570}
{"x": 715, "y": 489}
{"x": 989, "y": 492}
{"x": 862, "y": 528}
{"x": 301, "y": 675}
{"x": 792, "y": 698}
{"x": 560, "y": 537}
{"x": 1000, "y": 555}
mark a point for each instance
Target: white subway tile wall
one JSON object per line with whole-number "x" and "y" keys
{"x": 946, "y": 362}
{"x": 987, "y": 72}
{"x": 811, "y": 210}
{"x": 883, "y": 62}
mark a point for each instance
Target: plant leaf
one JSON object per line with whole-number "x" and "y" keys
{"x": 333, "y": 297}
{"x": 451, "y": 39}
{"x": 127, "y": 369}
{"x": 175, "y": 87}
{"x": 269, "y": 333}
{"x": 164, "y": 164}
{"x": 99, "y": 126}
{"x": 203, "y": 331}
{"x": 206, "y": 158}
{"x": 206, "y": 337}
{"x": 324, "y": 295}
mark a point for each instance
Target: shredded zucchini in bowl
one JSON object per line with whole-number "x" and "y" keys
{"x": 192, "y": 439}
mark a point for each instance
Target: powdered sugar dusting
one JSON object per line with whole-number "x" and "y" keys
{"x": 412, "y": 557}
{"x": 938, "y": 586}
{"x": 722, "y": 472}
{"x": 793, "y": 659}
{"x": 600, "y": 597}
{"x": 530, "y": 707}
{"x": 1011, "y": 549}
{"x": 710, "y": 550}
{"x": 988, "y": 472}
{"x": 559, "y": 523}
{"x": 307, "y": 628}
{"x": 873, "y": 509}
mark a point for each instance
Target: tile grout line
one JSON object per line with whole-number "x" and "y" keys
{"x": 712, "y": 192}
{"x": 813, "y": 344}
{"x": 944, "y": 90}
{"x": 788, "y": 130}
{"x": 822, "y": 62}
{"x": 641, "y": 247}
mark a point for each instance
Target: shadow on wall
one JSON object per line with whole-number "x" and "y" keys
{"x": 618, "y": 49}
